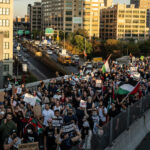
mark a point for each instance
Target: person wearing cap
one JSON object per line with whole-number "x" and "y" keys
{"x": 12, "y": 142}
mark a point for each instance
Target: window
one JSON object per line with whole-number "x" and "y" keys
{"x": 6, "y": 56}
{"x": 68, "y": 12}
{"x": 5, "y": 1}
{"x": 6, "y": 67}
{"x": 6, "y": 45}
{"x": 4, "y": 22}
{"x": 0, "y": 11}
{"x": 68, "y": 18}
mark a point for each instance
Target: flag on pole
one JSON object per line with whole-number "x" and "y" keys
{"x": 105, "y": 67}
{"x": 128, "y": 88}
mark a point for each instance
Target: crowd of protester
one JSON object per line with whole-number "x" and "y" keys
{"x": 61, "y": 101}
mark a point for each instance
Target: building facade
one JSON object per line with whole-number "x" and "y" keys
{"x": 70, "y": 16}
{"x": 123, "y": 22}
{"x": 141, "y": 3}
{"x": 34, "y": 13}
{"x": 6, "y": 27}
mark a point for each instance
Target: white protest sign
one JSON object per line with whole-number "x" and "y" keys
{"x": 98, "y": 83}
{"x": 19, "y": 90}
{"x": 30, "y": 99}
{"x": 57, "y": 122}
{"x": 133, "y": 69}
{"x": 83, "y": 104}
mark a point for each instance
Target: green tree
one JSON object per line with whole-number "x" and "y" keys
{"x": 82, "y": 32}
{"x": 81, "y": 44}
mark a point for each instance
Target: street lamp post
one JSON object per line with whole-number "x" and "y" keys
{"x": 64, "y": 39}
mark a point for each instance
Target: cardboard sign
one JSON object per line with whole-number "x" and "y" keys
{"x": 29, "y": 146}
{"x": 2, "y": 96}
{"x": 37, "y": 111}
{"x": 83, "y": 104}
{"x": 68, "y": 128}
{"x": 57, "y": 122}
{"x": 98, "y": 83}
{"x": 28, "y": 98}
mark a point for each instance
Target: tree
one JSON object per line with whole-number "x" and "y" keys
{"x": 82, "y": 32}
{"x": 82, "y": 44}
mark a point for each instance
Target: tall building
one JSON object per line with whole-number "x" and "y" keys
{"x": 123, "y": 22}
{"x": 141, "y": 3}
{"x": 6, "y": 27}
{"x": 70, "y": 16}
{"x": 34, "y": 13}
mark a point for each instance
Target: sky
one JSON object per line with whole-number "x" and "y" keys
{"x": 20, "y": 6}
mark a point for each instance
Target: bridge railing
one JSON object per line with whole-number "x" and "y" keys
{"x": 119, "y": 124}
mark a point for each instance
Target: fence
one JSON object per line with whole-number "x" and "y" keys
{"x": 119, "y": 124}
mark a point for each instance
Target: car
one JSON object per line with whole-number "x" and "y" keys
{"x": 49, "y": 52}
{"x": 75, "y": 57}
{"x": 75, "y": 61}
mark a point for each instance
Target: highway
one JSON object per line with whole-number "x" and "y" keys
{"x": 39, "y": 70}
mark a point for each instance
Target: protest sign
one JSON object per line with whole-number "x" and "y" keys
{"x": 28, "y": 98}
{"x": 57, "y": 122}
{"x": 19, "y": 90}
{"x": 2, "y": 96}
{"x": 98, "y": 83}
{"x": 83, "y": 104}
{"x": 37, "y": 111}
{"x": 68, "y": 128}
{"x": 29, "y": 146}
{"x": 133, "y": 69}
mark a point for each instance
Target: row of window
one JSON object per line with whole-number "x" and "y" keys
{"x": 4, "y": 11}
{"x": 6, "y": 45}
{"x": 5, "y": 1}
{"x": 4, "y": 22}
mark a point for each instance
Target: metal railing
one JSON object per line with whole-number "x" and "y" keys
{"x": 119, "y": 124}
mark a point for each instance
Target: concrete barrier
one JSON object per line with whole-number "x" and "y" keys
{"x": 131, "y": 138}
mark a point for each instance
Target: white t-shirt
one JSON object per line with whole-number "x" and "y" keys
{"x": 47, "y": 114}
{"x": 101, "y": 115}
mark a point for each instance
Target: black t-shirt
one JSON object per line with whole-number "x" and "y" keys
{"x": 29, "y": 138}
{"x": 50, "y": 137}
{"x": 80, "y": 115}
{"x": 113, "y": 113}
{"x": 66, "y": 144}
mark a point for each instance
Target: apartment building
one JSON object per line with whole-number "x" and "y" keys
{"x": 34, "y": 13}
{"x": 143, "y": 4}
{"x": 70, "y": 16}
{"x": 6, "y": 27}
{"x": 123, "y": 22}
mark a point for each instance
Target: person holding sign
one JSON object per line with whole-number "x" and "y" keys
{"x": 12, "y": 142}
{"x": 65, "y": 141}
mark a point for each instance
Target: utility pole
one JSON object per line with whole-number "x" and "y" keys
{"x": 64, "y": 39}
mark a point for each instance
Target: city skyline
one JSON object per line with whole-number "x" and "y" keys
{"x": 20, "y": 6}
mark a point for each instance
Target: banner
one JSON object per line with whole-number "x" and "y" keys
{"x": 68, "y": 128}
{"x": 29, "y": 146}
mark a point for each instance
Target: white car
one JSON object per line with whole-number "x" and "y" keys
{"x": 75, "y": 57}
{"x": 49, "y": 52}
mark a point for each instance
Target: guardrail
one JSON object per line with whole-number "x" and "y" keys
{"x": 119, "y": 124}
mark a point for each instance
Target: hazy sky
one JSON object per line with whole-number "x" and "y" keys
{"x": 20, "y": 6}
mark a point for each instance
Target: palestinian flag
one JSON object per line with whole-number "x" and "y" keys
{"x": 105, "y": 67}
{"x": 128, "y": 88}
